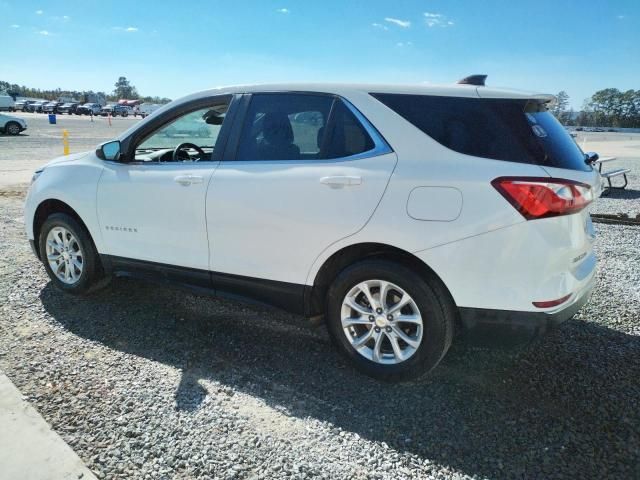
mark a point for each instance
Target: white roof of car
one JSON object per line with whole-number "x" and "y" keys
{"x": 454, "y": 90}
{"x": 347, "y": 89}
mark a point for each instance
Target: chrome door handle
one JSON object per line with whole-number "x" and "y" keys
{"x": 186, "y": 180}
{"x": 341, "y": 181}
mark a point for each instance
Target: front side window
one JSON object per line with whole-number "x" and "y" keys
{"x": 296, "y": 126}
{"x": 197, "y": 131}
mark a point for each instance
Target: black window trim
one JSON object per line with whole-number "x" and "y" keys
{"x": 381, "y": 147}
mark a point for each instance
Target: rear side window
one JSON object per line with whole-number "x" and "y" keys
{"x": 500, "y": 129}
{"x": 345, "y": 135}
{"x": 297, "y": 126}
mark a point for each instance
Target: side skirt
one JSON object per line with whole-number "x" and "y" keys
{"x": 284, "y": 295}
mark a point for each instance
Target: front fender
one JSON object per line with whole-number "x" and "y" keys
{"x": 73, "y": 183}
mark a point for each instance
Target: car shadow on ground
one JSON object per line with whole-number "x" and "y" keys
{"x": 563, "y": 404}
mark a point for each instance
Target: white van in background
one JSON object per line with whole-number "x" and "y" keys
{"x": 7, "y": 103}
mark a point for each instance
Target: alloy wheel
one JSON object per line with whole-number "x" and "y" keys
{"x": 382, "y": 322}
{"x": 64, "y": 255}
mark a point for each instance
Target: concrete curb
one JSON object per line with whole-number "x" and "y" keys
{"x": 29, "y": 448}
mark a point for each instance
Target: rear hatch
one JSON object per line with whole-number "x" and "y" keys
{"x": 553, "y": 196}
{"x": 555, "y": 150}
{"x": 573, "y": 184}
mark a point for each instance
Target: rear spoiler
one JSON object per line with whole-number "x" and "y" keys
{"x": 544, "y": 97}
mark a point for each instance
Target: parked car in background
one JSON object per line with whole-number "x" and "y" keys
{"x": 106, "y": 111}
{"x": 12, "y": 125}
{"x": 145, "y": 109}
{"x": 28, "y": 104}
{"x": 89, "y": 109}
{"x": 115, "y": 110}
{"x": 35, "y": 107}
{"x": 7, "y": 103}
{"x": 122, "y": 110}
{"x": 51, "y": 107}
{"x": 395, "y": 214}
{"x": 69, "y": 108}
{"x": 20, "y": 104}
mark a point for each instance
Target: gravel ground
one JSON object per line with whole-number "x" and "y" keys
{"x": 150, "y": 382}
{"x": 626, "y": 148}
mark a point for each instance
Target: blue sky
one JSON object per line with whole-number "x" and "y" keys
{"x": 174, "y": 48}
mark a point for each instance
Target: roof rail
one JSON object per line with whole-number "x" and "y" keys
{"x": 473, "y": 80}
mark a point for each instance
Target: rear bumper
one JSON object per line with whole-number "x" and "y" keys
{"x": 494, "y": 327}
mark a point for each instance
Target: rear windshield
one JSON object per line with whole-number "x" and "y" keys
{"x": 511, "y": 130}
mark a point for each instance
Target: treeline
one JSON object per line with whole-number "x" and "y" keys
{"x": 605, "y": 108}
{"x": 16, "y": 90}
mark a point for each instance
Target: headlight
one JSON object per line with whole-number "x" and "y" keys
{"x": 36, "y": 174}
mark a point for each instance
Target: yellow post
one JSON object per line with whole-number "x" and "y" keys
{"x": 65, "y": 141}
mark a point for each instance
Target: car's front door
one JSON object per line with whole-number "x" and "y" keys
{"x": 151, "y": 206}
{"x": 309, "y": 171}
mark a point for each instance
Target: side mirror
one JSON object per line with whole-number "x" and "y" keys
{"x": 590, "y": 158}
{"x": 109, "y": 151}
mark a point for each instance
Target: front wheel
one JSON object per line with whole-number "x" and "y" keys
{"x": 392, "y": 323}
{"x": 69, "y": 256}
{"x": 12, "y": 128}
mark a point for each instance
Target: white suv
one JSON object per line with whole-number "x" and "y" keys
{"x": 395, "y": 214}
{"x": 12, "y": 125}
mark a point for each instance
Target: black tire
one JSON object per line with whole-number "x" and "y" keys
{"x": 433, "y": 300}
{"x": 92, "y": 276}
{"x": 12, "y": 128}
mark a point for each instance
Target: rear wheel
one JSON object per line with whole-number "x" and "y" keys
{"x": 12, "y": 128}
{"x": 390, "y": 322}
{"x": 69, "y": 256}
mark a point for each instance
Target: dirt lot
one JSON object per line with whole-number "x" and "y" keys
{"x": 40, "y": 142}
{"x": 146, "y": 381}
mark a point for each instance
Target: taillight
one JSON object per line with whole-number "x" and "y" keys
{"x": 544, "y": 197}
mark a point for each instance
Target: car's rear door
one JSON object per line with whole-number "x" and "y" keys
{"x": 309, "y": 170}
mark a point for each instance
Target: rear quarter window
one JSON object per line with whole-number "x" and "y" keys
{"x": 520, "y": 131}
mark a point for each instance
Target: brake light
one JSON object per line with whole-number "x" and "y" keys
{"x": 544, "y": 197}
